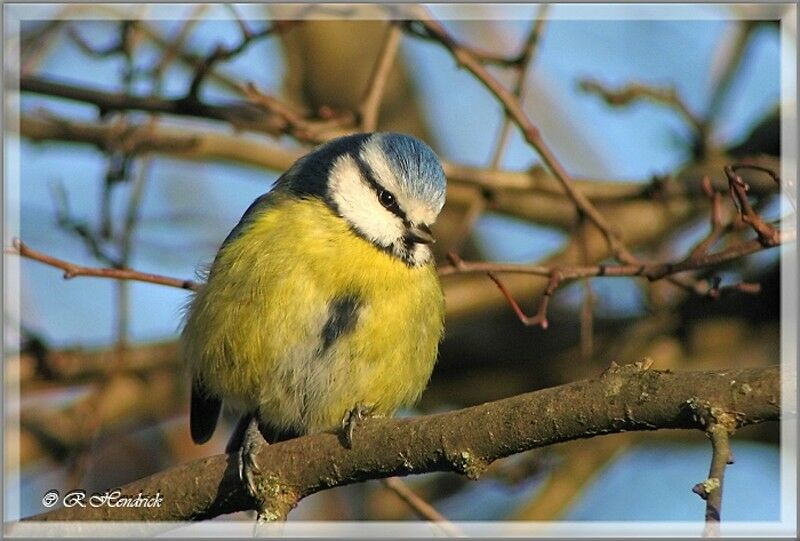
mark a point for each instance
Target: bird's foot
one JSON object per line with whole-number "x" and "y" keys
{"x": 252, "y": 443}
{"x": 352, "y": 417}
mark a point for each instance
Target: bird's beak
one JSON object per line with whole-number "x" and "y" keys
{"x": 421, "y": 234}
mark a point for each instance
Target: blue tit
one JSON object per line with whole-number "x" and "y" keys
{"x": 324, "y": 297}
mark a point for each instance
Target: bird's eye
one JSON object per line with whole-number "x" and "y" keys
{"x": 387, "y": 199}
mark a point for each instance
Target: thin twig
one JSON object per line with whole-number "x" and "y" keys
{"x": 526, "y": 55}
{"x": 174, "y": 48}
{"x": 296, "y": 123}
{"x": 767, "y": 234}
{"x": 744, "y": 31}
{"x": 221, "y": 53}
{"x": 370, "y": 103}
{"x": 416, "y": 29}
{"x": 422, "y": 508}
{"x": 711, "y": 489}
{"x": 697, "y": 260}
{"x": 78, "y": 228}
{"x": 788, "y": 188}
{"x": 650, "y": 271}
{"x": 116, "y": 47}
{"x": 716, "y": 222}
{"x": 529, "y": 131}
{"x": 637, "y": 91}
{"x": 72, "y": 270}
{"x": 239, "y": 114}
{"x": 126, "y": 246}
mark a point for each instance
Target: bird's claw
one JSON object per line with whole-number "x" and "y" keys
{"x": 352, "y": 417}
{"x": 252, "y": 443}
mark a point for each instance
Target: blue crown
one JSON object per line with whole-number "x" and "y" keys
{"x": 415, "y": 164}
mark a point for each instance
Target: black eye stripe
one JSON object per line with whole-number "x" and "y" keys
{"x": 379, "y": 190}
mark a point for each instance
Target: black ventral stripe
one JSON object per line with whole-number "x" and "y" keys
{"x": 342, "y": 318}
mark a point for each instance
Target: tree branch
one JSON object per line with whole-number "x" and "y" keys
{"x": 720, "y": 425}
{"x": 529, "y": 131}
{"x": 240, "y": 114}
{"x": 71, "y": 270}
{"x": 623, "y": 398}
{"x": 651, "y": 271}
{"x": 371, "y": 102}
{"x": 533, "y": 194}
{"x": 422, "y": 508}
{"x": 631, "y": 92}
{"x": 526, "y": 56}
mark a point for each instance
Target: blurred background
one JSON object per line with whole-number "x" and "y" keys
{"x": 103, "y": 399}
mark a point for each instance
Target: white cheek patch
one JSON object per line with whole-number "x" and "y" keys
{"x": 357, "y": 204}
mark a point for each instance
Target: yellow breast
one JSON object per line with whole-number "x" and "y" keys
{"x": 257, "y": 334}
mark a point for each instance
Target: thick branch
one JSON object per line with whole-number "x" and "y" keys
{"x": 196, "y": 145}
{"x": 79, "y": 365}
{"x": 466, "y": 441}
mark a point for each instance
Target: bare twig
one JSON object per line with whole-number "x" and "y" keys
{"x": 422, "y": 508}
{"x": 767, "y": 234}
{"x": 651, "y": 271}
{"x": 370, "y": 103}
{"x": 221, "y": 53}
{"x": 716, "y": 222}
{"x": 540, "y": 318}
{"x": 787, "y": 187}
{"x": 174, "y": 48}
{"x": 78, "y": 228}
{"x": 529, "y": 131}
{"x": 115, "y": 47}
{"x": 526, "y": 56}
{"x": 484, "y": 56}
{"x": 294, "y": 122}
{"x": 699, "y": 258}
{"x": 744, "y": 31}
{"x": 637, "y": 91}
{"x": 721, "y": 425}
{"x": 71, "y": 270}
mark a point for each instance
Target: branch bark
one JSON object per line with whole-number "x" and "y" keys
{"x": 623, "y": 398}
{"x": 517, "y": 186}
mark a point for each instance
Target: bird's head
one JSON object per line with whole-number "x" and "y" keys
{"x": 389, "y": 187}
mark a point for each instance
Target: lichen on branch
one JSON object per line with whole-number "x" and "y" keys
{"x": 466, "y": 441}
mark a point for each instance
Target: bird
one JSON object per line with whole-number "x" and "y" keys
{"x": 322, "y": 305}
